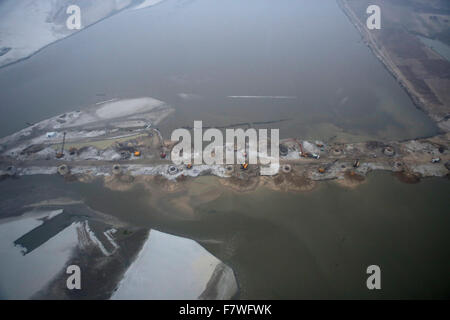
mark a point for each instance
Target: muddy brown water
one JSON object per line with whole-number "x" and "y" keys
{"x": 314, "y": 244}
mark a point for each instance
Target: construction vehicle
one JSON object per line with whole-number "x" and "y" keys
{"x": 137, "y": 153}
{"x": 306, "y": 154}
{"x": 72, "y": 151}
{"x": 60, "y": 154}
{"x": 322, "y": 170}
{"x": 435, "y": 160}
{"x": 312, "y": 155}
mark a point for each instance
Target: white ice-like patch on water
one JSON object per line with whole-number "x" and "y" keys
{"x": 26, "y": 26}
{"x": 167, "y": 267}
{"x": 23, "y": 276}
{"x": 128, "y": 107}
{"x": 147, "y": 3}
{"x": 109, "y": 235}
{"x": 95, "y": 240}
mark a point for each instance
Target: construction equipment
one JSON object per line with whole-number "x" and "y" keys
{"x": 302, "y": 153}
{"x": 60, "y": 155}
{"x": 322, "y": 170}
{"x": 163, "y": 154}
{"x": 306, "y": 154}
{"x": 310, "y": 155}
{"x": 72, "y": 151}
{"x": 137, "y": 153}
{"x": 125, "y": 155}
{"x": 435, "y": 160}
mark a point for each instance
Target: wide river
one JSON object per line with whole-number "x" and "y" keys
{"x": 315, "y": 244}
{"x": 223, "y": 62}
{"x": 300, "y": 63}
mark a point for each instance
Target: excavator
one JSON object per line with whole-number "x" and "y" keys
{"x": 60, "y": 154}
{"x": 324, "y": 169}
{"x": 304, "y": 154}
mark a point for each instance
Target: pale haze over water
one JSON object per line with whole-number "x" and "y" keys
{"x": 195, "y": 55}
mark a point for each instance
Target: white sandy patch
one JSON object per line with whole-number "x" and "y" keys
{"x": 54, "y": 214}
{"x": 431, "y": 169}
{"x": 163, "y": 170}
{"x": 23, "y": 28}
{"x": 262, "y": 97}
{"x": 70, "y": 136}
{"x": 106, "y": 101}
{"x": 109, "y": 234}
{"x": 93, "y": 238}
{"x": 128, "y": 107}
{"x": 310, "y": 147}
{"x": 22, "y": 276}
{"x": 37, "y": 170}
{"x": 26, "y": 26}
{"x": 147, "y": 3}
{"x": 168, "y": 267}
{"x": 189, "y": 96}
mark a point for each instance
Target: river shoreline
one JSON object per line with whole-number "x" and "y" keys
{"x": 60, "y": 37}
{"x": 443, "y": 122}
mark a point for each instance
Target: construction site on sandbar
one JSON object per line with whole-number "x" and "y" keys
{"x": 120, "y": 139}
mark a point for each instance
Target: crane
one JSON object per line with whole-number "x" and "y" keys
{"x": 60, "y": 155}
{"x": 302, "y": 153}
